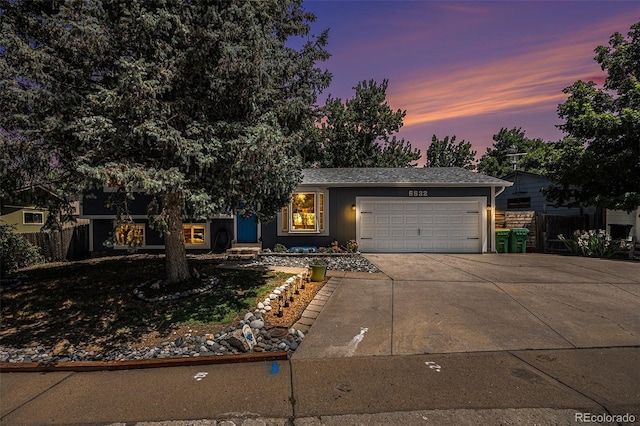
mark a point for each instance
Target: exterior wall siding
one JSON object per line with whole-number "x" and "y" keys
{"x": 220, "y": 235}
{"x": 342, "y": 219}
{"x": 530, "y": 186}
{"x": 15, "y": 216}
{"x": 95, "y": 205}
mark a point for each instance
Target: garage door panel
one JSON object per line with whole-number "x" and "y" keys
{"x": 382, "y": 233}
{"x": 397, "y": 220}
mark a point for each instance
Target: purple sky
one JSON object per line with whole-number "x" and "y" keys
{"x": 469, "y": 68}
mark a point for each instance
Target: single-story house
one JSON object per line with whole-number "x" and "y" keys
{"x": 446, "y": 209}
{"x": 383, "y": 209}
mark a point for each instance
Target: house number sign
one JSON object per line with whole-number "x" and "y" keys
{"x": 416, "y": 193}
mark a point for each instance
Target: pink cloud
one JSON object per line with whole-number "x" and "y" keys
{"x": 531, "y": 80}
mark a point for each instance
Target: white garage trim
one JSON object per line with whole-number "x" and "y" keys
{"x": 429, "y": 225}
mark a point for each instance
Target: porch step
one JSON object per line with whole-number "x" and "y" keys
{"x": 243, "y": 253}
{"x": 246, "y": 245}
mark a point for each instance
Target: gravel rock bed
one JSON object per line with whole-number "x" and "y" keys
{"x": 336, "y": 262}
{"x": 226, "y": 342}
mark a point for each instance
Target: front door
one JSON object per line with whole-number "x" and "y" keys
{"x": 247, "y": 229}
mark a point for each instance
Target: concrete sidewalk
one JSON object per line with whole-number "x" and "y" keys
{"x": 437, "y": 339}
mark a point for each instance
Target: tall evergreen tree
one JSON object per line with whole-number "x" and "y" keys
{"x": 358, "y": 132}
{"x": 446, "y": 153}
{"x": 201, "y": 105}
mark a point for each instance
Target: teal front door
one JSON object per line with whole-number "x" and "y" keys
{"x": 247, "y": 229}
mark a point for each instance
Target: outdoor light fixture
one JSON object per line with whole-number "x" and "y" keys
{"x": 353, "y": 207}
{"x": 280, "y": 313}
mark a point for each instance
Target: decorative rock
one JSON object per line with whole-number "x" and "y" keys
{"x": 272, "y": 296}
{"x": 178, "y": 342}
{"x": 237, "y": 340}
{"x": 260, "y": 305}
{"x": 277, "y": 291}
{"x": 267, "y": 308}
{"x": 257, "y": 324}
{"x": 248, "y": 316}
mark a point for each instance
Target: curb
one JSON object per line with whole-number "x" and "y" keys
{"x": 85, "y": 366}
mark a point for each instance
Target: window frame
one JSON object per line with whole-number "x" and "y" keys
{"x": 321, "y": 207}
{"x": 32, "y": 212}
{"x": 519, "y": 203}
{"x": 193, "y": 226}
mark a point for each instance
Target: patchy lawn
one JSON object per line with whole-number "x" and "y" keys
{"x": 90, "y": 304}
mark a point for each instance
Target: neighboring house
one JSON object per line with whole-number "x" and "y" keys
{"x": 526, "y": 195}
{"x": 211, "y": 235}
{"x": 438, "y": 210}
{"x": 524, "y": 205}
{"x": 24, "y": 218}
{"x": 22, "y": 211}
{"x": 622, "y": 224}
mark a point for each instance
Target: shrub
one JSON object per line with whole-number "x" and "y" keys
{"x": 593, "y": 244}
{"x": 15, "y": 251}
{"x": 279, "y": 248}
{"x": 352, "y": 246}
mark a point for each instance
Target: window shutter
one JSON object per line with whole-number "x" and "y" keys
{"x": 321, "y": 210}
{"x": 285, "y": 219}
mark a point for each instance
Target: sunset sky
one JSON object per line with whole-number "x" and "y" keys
{"x": 469, "y": 68}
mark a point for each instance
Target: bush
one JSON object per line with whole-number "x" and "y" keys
{"x": 15, "y": 251}
{"x": 593, "y": 244}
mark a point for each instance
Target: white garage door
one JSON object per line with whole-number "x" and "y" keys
{"x": 443, "y": 225}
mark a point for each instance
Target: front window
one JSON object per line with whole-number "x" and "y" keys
{"x": 33, "y": 218}
{"x": 193, "y": 234}
{"x": 303, "y": 211}
{"x": 305, "y": 214}
{"x": 130, "y": 235}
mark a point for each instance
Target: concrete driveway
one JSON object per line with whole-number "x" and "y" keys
{"x": 434, "y": 303}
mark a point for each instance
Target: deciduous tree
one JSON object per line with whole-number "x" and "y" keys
{"x": 201, "y": 105}
{"x": 535, "y": 158}
{"x": 600, "y": 164}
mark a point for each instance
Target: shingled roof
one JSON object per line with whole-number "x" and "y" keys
{"x": 427, "y": 176}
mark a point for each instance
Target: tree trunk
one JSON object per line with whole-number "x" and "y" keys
{"x": 176, "y": 265}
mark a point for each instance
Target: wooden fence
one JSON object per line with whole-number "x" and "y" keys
{"x": 543, "y": 228}
{"x": 68, "y": 244}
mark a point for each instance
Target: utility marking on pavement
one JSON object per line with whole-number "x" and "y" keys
{"x": 274, "y": 368}
{"x": 432, "y": 365}
{"x": 353, "y": 344}
{"x": 201, "y": 375}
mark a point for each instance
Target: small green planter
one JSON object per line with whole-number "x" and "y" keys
{"x": 318, "y": 272}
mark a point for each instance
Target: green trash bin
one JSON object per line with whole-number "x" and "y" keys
{"x": 502, "y": 240}
{"x": 518, "y": 240}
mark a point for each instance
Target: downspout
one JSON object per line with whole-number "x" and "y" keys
{"x": 493, "y": 217}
